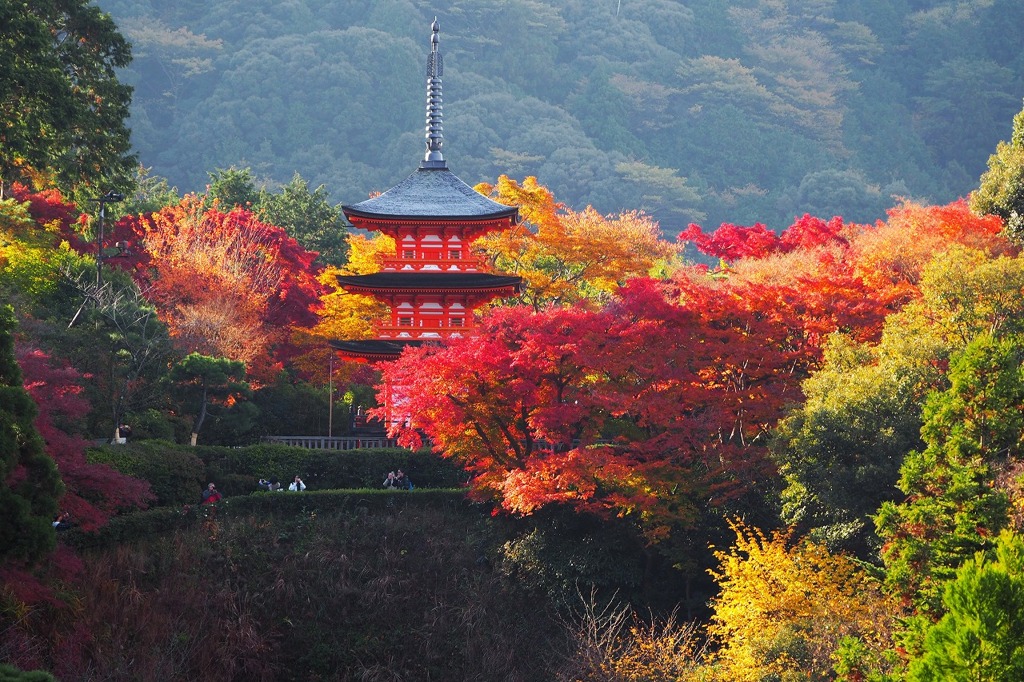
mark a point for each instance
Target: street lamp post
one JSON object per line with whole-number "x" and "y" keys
{"x": 108, "y": 198}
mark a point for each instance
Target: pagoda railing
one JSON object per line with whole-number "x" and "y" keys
{"x": 424, "y": 326}
{"x": 333, "y": 442}
{"x": 442, "y": 264}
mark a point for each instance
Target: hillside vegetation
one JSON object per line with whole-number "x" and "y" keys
{"x": 695, "y": 110}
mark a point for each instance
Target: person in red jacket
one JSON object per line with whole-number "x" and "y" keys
{"x": 211, "y": 495}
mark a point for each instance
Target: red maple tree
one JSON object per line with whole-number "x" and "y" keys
{"x": 93, "y": 492}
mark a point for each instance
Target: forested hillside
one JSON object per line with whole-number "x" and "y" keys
{"x": 693, "y": 110}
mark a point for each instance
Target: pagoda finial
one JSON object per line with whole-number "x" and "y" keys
{"x": 435, "y": 132}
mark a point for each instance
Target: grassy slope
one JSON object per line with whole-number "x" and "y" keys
{"x": 394, "y": 593}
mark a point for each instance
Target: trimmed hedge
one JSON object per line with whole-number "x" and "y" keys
{"x": 174, "y": 472}
{"x": 325, "y": 501}
{"x": 130, "y": 528}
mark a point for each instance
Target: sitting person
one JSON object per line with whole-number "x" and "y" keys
{"x": 390, "y": 481}
{"x": 211, "y": 495}
{"x": 297, "y": 485}
{"x": 63, "y": 521}
{"x": 263, "y": 485}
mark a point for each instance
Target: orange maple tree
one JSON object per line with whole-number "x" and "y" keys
{"x": 344, "y": 315}
{"x": 565, "y": 256}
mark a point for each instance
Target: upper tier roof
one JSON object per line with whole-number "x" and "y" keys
{"x": 431, "y": 193}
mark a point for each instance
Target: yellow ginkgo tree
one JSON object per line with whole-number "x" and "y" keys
{"x": 345, "y": 315}
{"x": 785, "y": 605}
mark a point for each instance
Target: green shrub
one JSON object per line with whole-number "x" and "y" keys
{"x": 174, "y": 472}
{"x": 150, "y": 424}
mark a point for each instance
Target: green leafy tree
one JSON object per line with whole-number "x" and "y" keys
{"x": 309, "y": 217}
{"x": 1002, "y": 185}
{"x": 233, "y": 187}
{"x": 205, "y": 381}
{"x": 981, "y": 636}
{"x": 62, "y": 108}
{"x": 840, "y": 451}
{"x": 152, "y": 193}
{"x": 29, "y": 482}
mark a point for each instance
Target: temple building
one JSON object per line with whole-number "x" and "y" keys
{"x": 433, "y": 282}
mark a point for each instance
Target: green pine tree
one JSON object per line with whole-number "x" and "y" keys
{"x": 981, "y": 637}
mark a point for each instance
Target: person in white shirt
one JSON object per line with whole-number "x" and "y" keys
{"x": 297, "y": 485}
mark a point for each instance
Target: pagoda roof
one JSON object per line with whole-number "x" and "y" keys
{"x": 430, "y": 281}
{"x": 375, "y": 349}
{"x": 431, "y": 193}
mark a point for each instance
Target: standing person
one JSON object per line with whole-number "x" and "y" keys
{"x": 211, "y": 495}
{"x": 297, "y": 485}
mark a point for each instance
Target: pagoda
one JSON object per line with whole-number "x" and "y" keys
{"x": 433, "y": 282}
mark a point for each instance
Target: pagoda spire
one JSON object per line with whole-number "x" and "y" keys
{"x": 435, "y": 132}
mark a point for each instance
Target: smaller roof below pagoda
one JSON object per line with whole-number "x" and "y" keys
{"x": 431, "y": 193}
{"x": 374, "y": 349}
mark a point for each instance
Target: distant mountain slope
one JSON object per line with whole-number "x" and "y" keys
{"x": 705, "y": 110}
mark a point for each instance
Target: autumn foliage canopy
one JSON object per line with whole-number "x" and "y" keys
{"x": 659, "y": 402}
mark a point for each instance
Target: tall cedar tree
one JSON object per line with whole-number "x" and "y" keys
{"x": 981, "y": 636}
{"x": 953, "y": 507}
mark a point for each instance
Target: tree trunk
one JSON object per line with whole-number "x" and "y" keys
{"x": 198, "y": 423}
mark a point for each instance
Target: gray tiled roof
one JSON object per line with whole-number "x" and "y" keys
{"x": 375, "y": 346}
{"x": 430, "y": 193}
{"x": 427, "y": 280}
